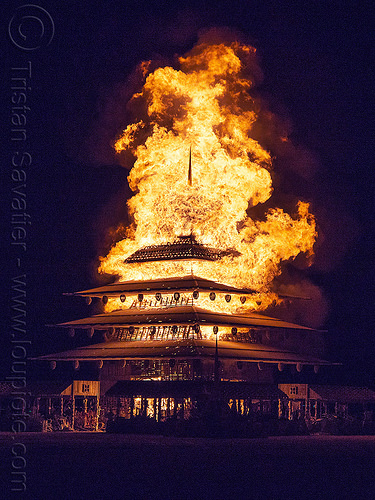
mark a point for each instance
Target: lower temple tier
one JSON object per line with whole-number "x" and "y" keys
{"x": 192, "y": 407}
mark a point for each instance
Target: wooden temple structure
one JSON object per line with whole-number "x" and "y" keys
{"x": 164, "y": 352}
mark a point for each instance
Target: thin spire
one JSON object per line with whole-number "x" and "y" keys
{"x": 189, "y": 174}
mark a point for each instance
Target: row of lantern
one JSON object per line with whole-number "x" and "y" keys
{"x": 280, "y": 366}
{"x": 240, "y": 364}
{"x": 233, "y": 330}
{"x": 176, "y": 296}
{"x": 76, "y": 364}
{"x": 90, "y": 332}
{"x": 100, "y": 363}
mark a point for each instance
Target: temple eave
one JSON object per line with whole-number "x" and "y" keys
{"x": 182, "y": 350}
{"x": 182, "y": 284}
{"x": 181, "y": 315}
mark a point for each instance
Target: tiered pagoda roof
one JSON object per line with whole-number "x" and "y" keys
{"x": 181, "y": 284}
{"x": 172, "y": 329}
{"x": 179, "y": 315}
{"x": 183, "y": 349}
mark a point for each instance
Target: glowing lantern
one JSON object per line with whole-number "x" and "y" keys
{"x": 212, "y": 295}
{"x": 122, "y": 298}
{"x": 215, "y": 329}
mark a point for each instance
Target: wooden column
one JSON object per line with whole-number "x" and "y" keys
{"x": 131, "y": 407}
{"x": 174, "y": 413}
{"x": 157, "y": 409}
{"x": 279, "y": 409}
{"x": 97, "y": 413}
{"x": 307, "y": 403}
{"x": 155, "y": 415}
{"x": 168, "y": 407}
{"x": 85, "y": 410}
{"x": 73, "y": 411}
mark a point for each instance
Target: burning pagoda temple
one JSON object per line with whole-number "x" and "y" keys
{"x": 186, "y": 323}
{"x": 164, "y": 350}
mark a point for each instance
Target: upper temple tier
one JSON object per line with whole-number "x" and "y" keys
{"x": 184, "y": 247}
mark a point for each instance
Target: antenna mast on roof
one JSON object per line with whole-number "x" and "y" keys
{"x": 189, "y": 173}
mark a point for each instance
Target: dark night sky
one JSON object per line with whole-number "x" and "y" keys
{"x": 317, "y": 63}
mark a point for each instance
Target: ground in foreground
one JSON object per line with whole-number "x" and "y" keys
{"x": 93, "y": 465}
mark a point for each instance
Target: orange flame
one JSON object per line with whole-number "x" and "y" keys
{"x": 205, "y": 105}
